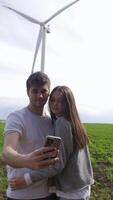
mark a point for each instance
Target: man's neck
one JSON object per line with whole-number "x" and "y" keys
{"x": 38, "y": 111}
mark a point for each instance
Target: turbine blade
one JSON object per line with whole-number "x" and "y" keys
{"x": 43, "y": 49}
{"x": 59, "y": 11}
{"x": 39, "y": 39}
{"x": 24, "y": 16}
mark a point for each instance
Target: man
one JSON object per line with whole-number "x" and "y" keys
{"x": 25, "y": 132}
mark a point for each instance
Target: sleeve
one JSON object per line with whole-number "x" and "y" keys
{"x": 63, "y": 130}
{"x": 13, "y": 124}
{"x": 52, "y": 170}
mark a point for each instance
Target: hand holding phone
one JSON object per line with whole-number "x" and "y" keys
{"x": 53, "y": 141}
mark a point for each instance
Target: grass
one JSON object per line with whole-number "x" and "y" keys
{"x": 3, "y": 179}
{"x": 101, "y": 150}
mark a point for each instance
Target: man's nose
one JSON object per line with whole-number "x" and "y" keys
{"x": 39, "y": 94}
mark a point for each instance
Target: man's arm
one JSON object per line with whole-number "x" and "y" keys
{"x": 35, "y": 160}
{"x": 10, "y": 155}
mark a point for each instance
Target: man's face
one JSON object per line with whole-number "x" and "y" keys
{"x": 38, "y": 95}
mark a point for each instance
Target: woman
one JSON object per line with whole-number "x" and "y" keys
{"x": 74, "y": 178}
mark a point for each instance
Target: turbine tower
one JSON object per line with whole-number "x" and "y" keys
{"x": 44, "y": 28}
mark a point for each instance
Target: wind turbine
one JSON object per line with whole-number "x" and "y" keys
{"x": 44, "y": 28}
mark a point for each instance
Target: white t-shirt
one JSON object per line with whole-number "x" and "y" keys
{"x": 33, "y": 130}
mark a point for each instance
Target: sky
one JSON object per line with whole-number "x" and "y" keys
{"x": 78, "y": 54}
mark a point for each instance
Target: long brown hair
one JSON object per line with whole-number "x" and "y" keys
{"x": 70, "y": 113}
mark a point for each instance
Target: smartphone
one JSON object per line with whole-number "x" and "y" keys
{"x": 53, "y": 141}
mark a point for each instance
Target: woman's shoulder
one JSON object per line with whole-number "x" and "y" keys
{"x": 62, "y": 121}
{"x": 63, "y": 129}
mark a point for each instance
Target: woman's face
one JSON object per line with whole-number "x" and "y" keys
{"x": 56, "y": 103}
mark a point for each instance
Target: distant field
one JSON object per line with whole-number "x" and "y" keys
{"x": 101, "y": 150}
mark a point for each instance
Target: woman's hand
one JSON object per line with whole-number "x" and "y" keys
{"x": 17, "y": 183}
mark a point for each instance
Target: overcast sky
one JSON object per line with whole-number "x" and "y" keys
{"x": 78, "y": 53}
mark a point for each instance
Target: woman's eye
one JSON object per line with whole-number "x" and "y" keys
{"x": 52, "y": 100}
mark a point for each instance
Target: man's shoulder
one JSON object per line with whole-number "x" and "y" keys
{"x": 47, "y": 119}
{"x": 17, "y": 113}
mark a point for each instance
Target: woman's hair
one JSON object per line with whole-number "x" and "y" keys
{"x": 70, "y": 113}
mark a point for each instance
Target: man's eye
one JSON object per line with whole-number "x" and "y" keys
{"x": 34, "y": 91}
{"x": 44, "y": 91}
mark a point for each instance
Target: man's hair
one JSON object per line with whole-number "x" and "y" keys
{"x": 37, "y": 79}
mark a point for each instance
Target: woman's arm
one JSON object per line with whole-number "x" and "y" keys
{"x": 36, "y": 175}
{"x": 63, "y": 130}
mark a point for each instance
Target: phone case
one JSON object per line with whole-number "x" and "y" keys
{"x": 53, "y": 141}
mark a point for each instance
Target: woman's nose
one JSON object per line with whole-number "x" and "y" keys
{"x": 55, "y": 103}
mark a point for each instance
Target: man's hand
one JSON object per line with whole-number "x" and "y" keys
{"x": 37, "y": 159}
{"x": 41, "y": 158}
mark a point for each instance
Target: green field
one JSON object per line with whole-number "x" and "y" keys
{"x": 101, "y": 150}
{"x": 3, "y": 180}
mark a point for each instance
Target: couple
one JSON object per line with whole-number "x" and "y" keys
{"x": 68, "y": 174}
